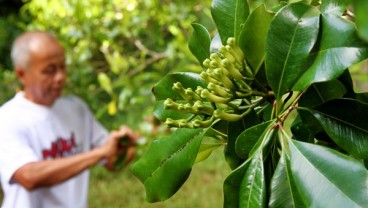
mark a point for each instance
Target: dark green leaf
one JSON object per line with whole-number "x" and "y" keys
{"x": 248, "y": 138}
{"x": 300, "y": 131}
{"x": 199, "y": 42}
{"x": 283, "y": 189}
{"x": 327, "y": 178}
{"x": 339, "y": 48}
{"x": 344, "y": 120}
{"x": 168, "y": 163}
{"x": 292, "y": 35}
{"x": 229, "y": 16}
{"x": 234, "y": 129}
{"x": 322, "y": 92}
{"x": 253, "y": 45}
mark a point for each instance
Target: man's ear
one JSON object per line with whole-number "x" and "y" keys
{"x": 20, "y": 72}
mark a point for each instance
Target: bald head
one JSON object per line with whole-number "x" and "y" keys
{"x": 28, "y": 43}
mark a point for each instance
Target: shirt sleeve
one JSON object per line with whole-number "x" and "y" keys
{"x": 14, "y": 151}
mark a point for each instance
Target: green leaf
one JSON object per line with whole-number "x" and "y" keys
{"x": 322, "y": 92}
{"x": 168, "y": 163}
{"x": 344, "y": 120}
{"x": 229, "y": 15}
{"x": 105, "y": 82}
{"x": 248, "y": 138}
{"x": 327, "y": 178}
{"x": 253, "y": 187}
{"x": 234, "y": 129}
{"x": 300, "y": 131}
{"x": 336, "y": 7}
{"x": 199, "y": 42}
{"x": 239, "y": 180}
{"x": 163, "y": 90}
{"x": 232, "y": 185}
{"x": 292, "y": 35}
{"x": 339, "y": 48}
{"x": 284, "y": 192}
{"x": 208, "y": 145}
{"x": 253, "y": 46}
{"x": 360, "y": 10}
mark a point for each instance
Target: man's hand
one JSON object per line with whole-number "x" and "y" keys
{"x": 120, "y": 143}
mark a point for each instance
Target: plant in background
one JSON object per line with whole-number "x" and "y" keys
{"x": 276, "y": 92}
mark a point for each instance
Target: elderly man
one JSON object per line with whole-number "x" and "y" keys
{"x": 48, "y": 140}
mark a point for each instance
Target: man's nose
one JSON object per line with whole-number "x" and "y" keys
{"x": 60, "y": 75}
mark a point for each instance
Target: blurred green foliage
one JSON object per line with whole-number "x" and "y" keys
{"x": 116, "y": 50}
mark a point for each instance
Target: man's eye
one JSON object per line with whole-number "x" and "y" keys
{"x": 50, "y": 70}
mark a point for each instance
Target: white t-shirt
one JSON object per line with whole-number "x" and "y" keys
{"x": 30, "y": 132}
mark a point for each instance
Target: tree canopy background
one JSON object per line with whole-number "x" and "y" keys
{"x": 116, "y": 50}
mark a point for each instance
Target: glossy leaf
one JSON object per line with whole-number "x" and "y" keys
{"x": 328, "y": 178}
{"x": 322, "y": 92}
{"x": 284, "y": 192}
{"x": 344, "y": 120}
{"x": 232, "y": 185}
{"x": 168, "y": 163}
{"x": 229, "y": 16}
{"x": 199, "y": 42}
{"x": 237, "y": 183}
{"x": 253, "y": 188}
{"x": 248, "y": 138}
{"x": 292, "y": 35}
{"x": 361, "y": 14}
{"x": 253, "y": 46}
{"x": 335, "y": 7}
{"x": 340, "y": 48}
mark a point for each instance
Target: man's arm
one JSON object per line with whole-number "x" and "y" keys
{"x": 51, "y": 172}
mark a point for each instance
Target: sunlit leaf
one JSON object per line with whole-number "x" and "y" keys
{"x": 229, "y": 16}
{"x": 252, "y": 45}
{"x": 105, "y": 82}
{"x": 111, "y": 109}
{"x": 361, "y": 14}
{"x": 335, "y": 7}
{"x": 208, "y": 145}
{"x": 336, "y": 52}
{"x": 292, "y": 35}
{"x": 199, "y": 42}
{"x": 327, "y": 178}
{"x": 168, "y": 163}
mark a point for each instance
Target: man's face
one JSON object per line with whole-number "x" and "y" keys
{"x": 44, "y": 80}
